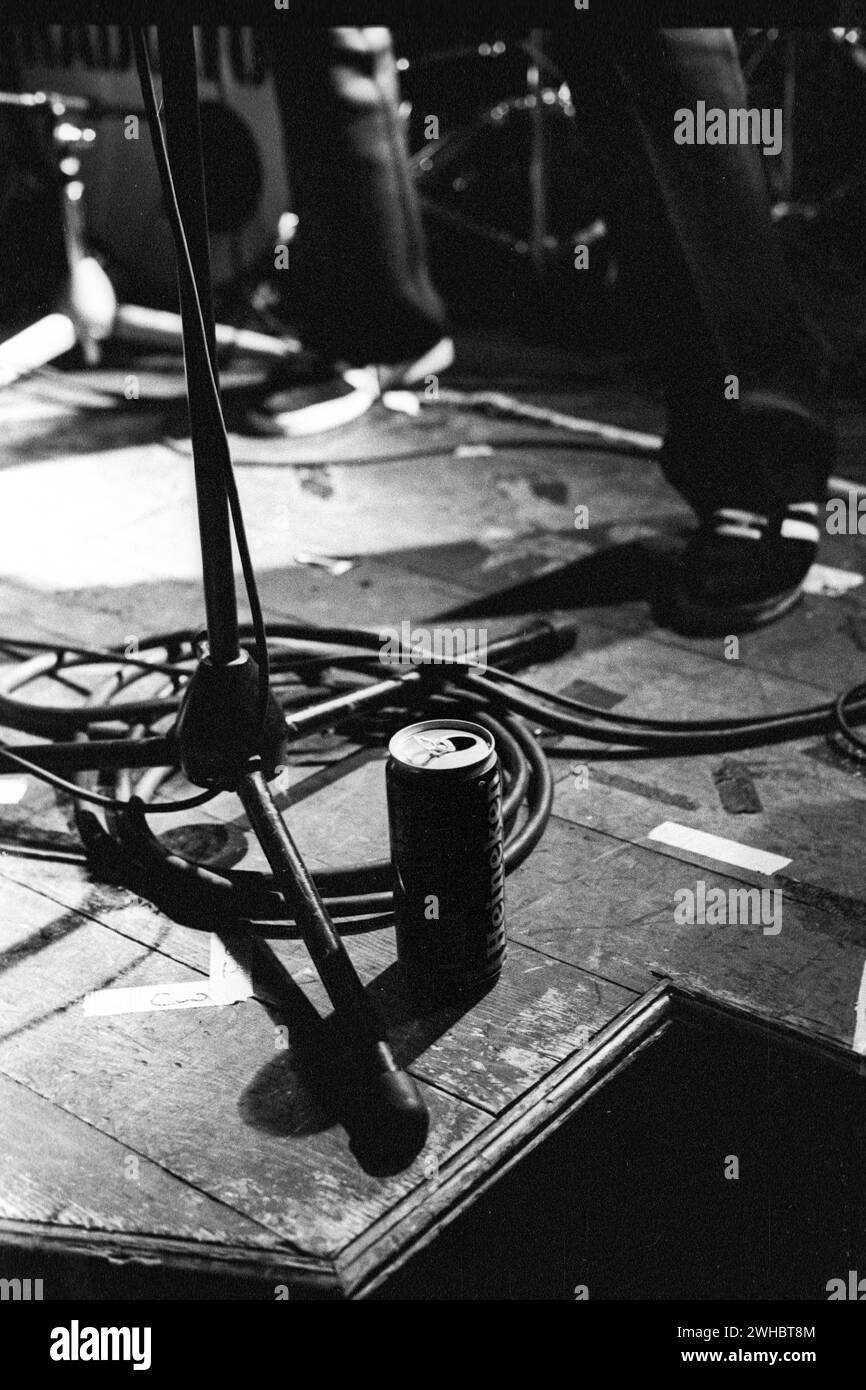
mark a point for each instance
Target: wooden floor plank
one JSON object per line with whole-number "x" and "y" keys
{"x": 58, "y": 1170}
{"x": 451, "y": 512}
{"x": 821, "y": 642}
{"x": 208, "y": 1094}
{"x": 799, "y": 789}
{"x": 608, "y": 906}
{"x": 485, "y": 1054}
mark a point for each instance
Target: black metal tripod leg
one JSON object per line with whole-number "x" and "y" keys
{"x": 394, "y": 1108}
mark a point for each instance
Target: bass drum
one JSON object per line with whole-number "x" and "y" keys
{"x": 241, "y": 137}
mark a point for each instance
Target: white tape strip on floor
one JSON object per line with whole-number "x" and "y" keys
{"x": 145, "y": 999}
{"x": 12, "y": 790}
{"x": 822, "y": 579}
{"x": 229, "y": 983}
{"x": 760, "y": 861}
{"x": 859, "y": 1041}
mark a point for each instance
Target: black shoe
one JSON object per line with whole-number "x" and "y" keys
{"x": 757, "y": 452}
{"x": 308, "y": 396}
{"x": 742, "y": 570}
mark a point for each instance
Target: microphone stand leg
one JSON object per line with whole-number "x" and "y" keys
{"x": 393, "y": 1112}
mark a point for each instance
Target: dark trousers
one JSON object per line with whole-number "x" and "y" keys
{"x": 714, "y": 295}
{"x": 359, "y": 279}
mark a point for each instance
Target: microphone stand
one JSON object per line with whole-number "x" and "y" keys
{"x": 229, "y": 731}
{"x": 222, "y": 738}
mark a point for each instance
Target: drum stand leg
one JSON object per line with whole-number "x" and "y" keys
{"x": 89, "y": 313}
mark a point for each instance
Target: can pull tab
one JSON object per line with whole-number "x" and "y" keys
{"x": 437, "y": 747}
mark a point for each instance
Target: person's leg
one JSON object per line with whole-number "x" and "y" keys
{"x": 359, "y": 275}
{"x": 746, "y": 321}
{"x": 695, "y": 222}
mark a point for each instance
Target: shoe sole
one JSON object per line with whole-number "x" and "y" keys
{"x": 694, "y": 621}
{"x": 367, "y": 386}
{"x": 314, "y": 419}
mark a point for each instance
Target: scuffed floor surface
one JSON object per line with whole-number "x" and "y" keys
{"x": 192, "y": 1125}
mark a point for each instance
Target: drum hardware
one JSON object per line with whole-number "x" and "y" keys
{"x": 88, "y": 312}
{"x": 757, "y": 47}
{"x": 507, "y": 192}
{"x": 244, "y": 157}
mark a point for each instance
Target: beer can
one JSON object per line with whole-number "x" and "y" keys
{"x": 444, "y": 791}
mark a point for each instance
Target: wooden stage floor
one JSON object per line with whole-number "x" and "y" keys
{"x": 185, "y": 1137}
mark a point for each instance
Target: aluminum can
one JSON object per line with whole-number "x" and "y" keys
{"x": 444, "y": 790}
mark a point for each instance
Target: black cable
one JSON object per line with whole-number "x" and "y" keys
{"x": 543, "y": 706}
{"x": 104, "y": 655}
{"x": 625, "y": 728}
{"x": 197, "y": 893}
{"x": 604, "y": 729}
{"x": 60, "y": 783}
{"x": 75, "y": 789}
{"x": 360, "y": 894}
{"x": 840, "y": 711}
{"x": 504, "y": 703}
{"x": 428, "y": 452}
